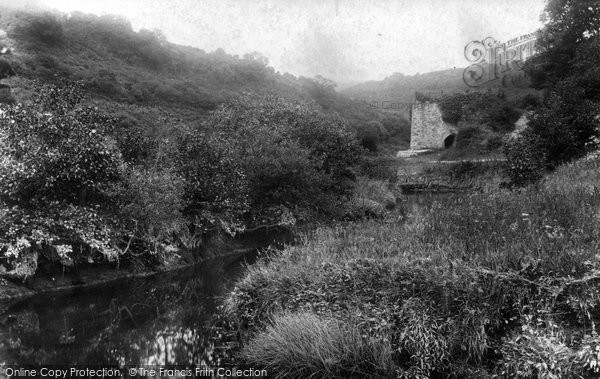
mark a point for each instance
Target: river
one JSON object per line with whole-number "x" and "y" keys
{"x": 165, "y": 319}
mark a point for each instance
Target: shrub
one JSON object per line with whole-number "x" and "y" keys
{"x": 375, "y": 190}
{"x": 362, "y": 207}
{"x": 526, "y": 159}
{"x": 536, "y": 352}
{"x": 469, "y": 137}
{"x": 215, "y": 190}
{"x": 58, "y": 177}
{"x": 565, "y": 126}
{"x": 379, "y": 168}
{"x": 529, "y": 101}
{"x": 135, "y": 141}
{"x": 291, "y": 154}
{"x": 587, "y": 358}
{"x": 105, "y": 83}
{"x": 502, "y": 116}
{"x": 152, "y": 205}
{"x": 369, "y": 141}
{"x": 57, "y": 152}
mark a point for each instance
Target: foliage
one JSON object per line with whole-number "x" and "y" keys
{"x": 147, "y": 136}
{"x": 543, "y": 350}
{"x": 498, "y": 114}
{"x": 368, "y": 140}
{"x": 371, "y": 134}
{"x": 379, "y": 167}
{"x": 571, "y": 30}
{"x": 525, "y": 160}
{"x": 469, "y": 138}
{"x": 463, "y": 175}
{"x": 134, "y": 140}
{"x": 451, "y": 107}
{"x": 588, "y": 357}
{"x": 298, "y": 345}
{"x": 58, "y": 178}
{"x": 292, "y": 155}
{"x": 64, "y": 233}
{"x": 121, "y": 65}
{"x": 46, "y": 28}
{"x": 480, "y": 108}
{"x": 215, "y": 190}
{"x": 566, "y": 124}
{"x": 375, "y": 190}
{"x": 250, "y": 164}
{"x": 501, "y": 283}
{"x": 564, "y": 128}
{"x": 152, "y": 205}
{"x": 536, "y": 352}
{"x": 371, "y": 198}
{"x": 529, "y": 101}
{"x": 54, "y": 151}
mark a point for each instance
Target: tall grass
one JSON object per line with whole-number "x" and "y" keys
{"x": 474, "y": 286}
{"x": 301, "y": 345}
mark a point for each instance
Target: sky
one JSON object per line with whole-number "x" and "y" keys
{"x": 344, "y": 40}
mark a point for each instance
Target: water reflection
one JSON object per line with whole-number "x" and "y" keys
{"x": 161, "y": 320}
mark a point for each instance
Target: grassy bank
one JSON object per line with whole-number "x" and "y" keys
{"x": 429, "y": 174}
{"x": 491, "y": 284}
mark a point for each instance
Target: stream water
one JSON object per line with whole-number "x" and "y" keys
{"x": 166, "y": 319}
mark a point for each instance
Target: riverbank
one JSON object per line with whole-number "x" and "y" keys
{"x": 427, "y": 173}
{"x": 56, "y": 279}
{"x": 162, "y": 320}
{"x": 494, "y": 283}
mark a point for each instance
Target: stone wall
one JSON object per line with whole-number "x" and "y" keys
{"x": 427, "y": 129}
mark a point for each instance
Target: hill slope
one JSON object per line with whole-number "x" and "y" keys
{"x": 147, "y": 80}
{"x": 399, "y": 88}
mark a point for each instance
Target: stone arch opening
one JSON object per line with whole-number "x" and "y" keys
{"x": 449, "y": 141}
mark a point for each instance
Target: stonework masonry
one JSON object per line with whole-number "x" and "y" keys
{"x": 427, "y": 129}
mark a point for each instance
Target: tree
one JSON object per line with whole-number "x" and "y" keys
{"x": 570, "y": 25}
{"x": 566, "y": 125}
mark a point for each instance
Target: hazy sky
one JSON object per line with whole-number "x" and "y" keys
{"x": 340, "y": 39}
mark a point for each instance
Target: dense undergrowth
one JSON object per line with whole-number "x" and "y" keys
{"x": 69, "y": 196}
{"x": 435, "y": 176}
{"x": 121, "y": 147}
{"x": 497, "y": 284}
